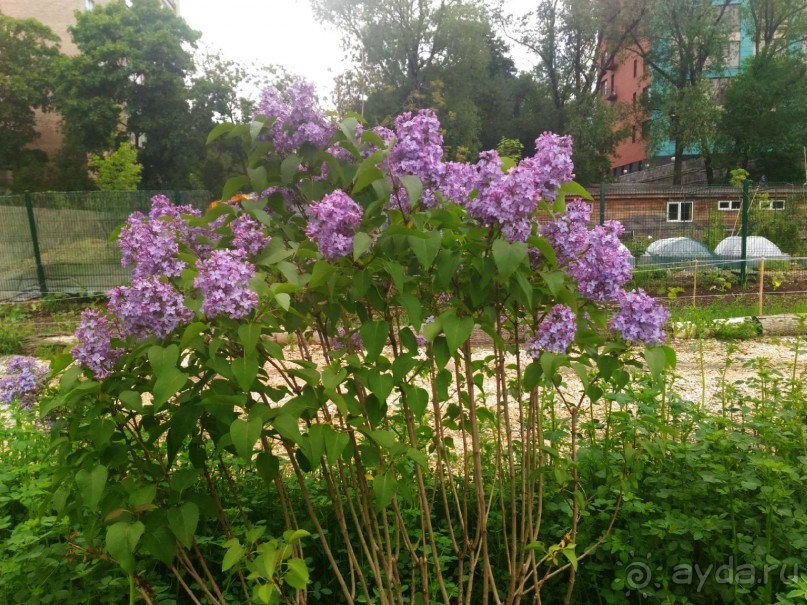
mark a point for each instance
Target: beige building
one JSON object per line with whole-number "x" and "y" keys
{"x": 59, "y": 15}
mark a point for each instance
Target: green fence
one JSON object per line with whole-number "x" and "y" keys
{"x": 59, "y": 242}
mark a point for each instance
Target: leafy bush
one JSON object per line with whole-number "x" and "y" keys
{"x": 386, "y": 451}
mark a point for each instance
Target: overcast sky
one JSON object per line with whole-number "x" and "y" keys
{"x": 281, "y": 32}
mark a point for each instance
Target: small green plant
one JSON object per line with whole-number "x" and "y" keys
{"x": 11, "y": 339}
{"x": 743, "y": 330}
{"x": 118, "y": 170}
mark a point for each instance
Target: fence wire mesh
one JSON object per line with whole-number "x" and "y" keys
{"x": 61, "y": 242}
{"x": 684, "y": 240}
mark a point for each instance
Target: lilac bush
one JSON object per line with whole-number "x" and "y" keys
{"x": 381, "y": 399}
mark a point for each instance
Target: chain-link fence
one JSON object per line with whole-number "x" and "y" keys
{"x": 685, "y": 240}
{"x": 710, "y": 241}
{"x": 59, "y": 242}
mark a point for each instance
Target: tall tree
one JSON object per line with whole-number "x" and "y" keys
{"x": 417, "y": 53}
{"x": 775, "y": 25}
{"x": 688, "y": 40}
{"x": 129, "y": 82}
{"x": 29, "y": 52}
{"x": 764, "y": 120}
{"x": 576, "y": 41}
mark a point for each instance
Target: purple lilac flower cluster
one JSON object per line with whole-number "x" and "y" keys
{"x": 509, "y": 199}
{"x": 148, "y": 306}
{"x": 418, "y": 150}
{"x": 334, "y": 221}
{"x": 224, "y": 283}
{"x": 151, "y": 243}
{"x": 298, "y": 120}
{"x": 352, "y": 342}
{"x": 94, "y": 349}
{"x": 595, "y": 257}
{"x": 248, "y": 235}
{"x": 640, "y": 318}
{"x": 555, "y": 332}
{"x": 23, "y": 379}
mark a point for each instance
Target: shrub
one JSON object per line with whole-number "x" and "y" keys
{"x": 388, "y": 452}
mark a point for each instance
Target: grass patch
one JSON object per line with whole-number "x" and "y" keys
{"x": 681, "y": 311}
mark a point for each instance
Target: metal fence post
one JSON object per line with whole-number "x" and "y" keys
{"x": 602, "y": 203}
{"x": 40, "y": 270}
{"x": 177, "y": 199}
{"x": 744, "y": 236}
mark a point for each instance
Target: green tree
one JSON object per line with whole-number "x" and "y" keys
{"x": 576, "y": 41}
{"x": 764, "y": 120}
{"x": 118, "y": 170}
{"x": 29, "y": 52}
{"x": 689, "y": 40}
{"x": 410, "y": 54}
{"x": 129, "y": 82}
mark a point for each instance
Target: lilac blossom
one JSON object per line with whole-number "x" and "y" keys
{"x": 224, "y": 283}
{"x": 342, "y": 340}
{"x": 94, "y": 350}
{"x": 298, "y": 119}
{"x": 334, "y": 221}
{"x": 640, "y": 318}
{"x": 22, "y": 380}
{"x": 248, "y": 235}
{"x": 149, "y": 306}
{"x": 595, "y": 258}
{"x": 509, "y": 200}
{"x": 555, "y": 332}
{"x": 151, "y": 246}
{"x": 418, "y": 151}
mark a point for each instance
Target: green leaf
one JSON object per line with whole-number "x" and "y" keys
{"x": 374, "y": 336}
{"x": 320, "y": 273}
{"x": 297, "y": 575}
{"x": 143, "y": 496}
{"x": 361, "y": 243}
{"x": 167, "y": 385}
{"x": 160, "y": 543}
{"x": 366, "y": 175}
{"x": 248, "y": 335}
{"x": 573, "y": 189}
{"x": 656, "y": 358}
{"x": 244, "y": 434}
{"x": 268, "y": 467}
{"x": 508, "y": 256}
{"x": 257, "y": 178}
{"x": 245, "y": 369}
{"x": 426, "y": 247}
{"x": 233, "y": 555}
{"x": 456, "y": 329}
{"x": 381, "y": 385}
{"x": 121, "y": 541}
{"x": 414, "y": 310}
{"x": 133, "y": 400}
{"x": 532, "y": 375}
{"x": 384, "y": 488}
{"x": 182, "y": 522}
{"x": 555, "y": 280}
{"x": 91, "y": 484}
{"x": 417, "y": 399}
{"x": 413, "y": 186}
{"x": 568, "y": 552}
{"x": 218, "y": 131}
{"x": 233, "y": 185}
{"x": 163, "y": 359}
{"x": 289, "y": 168}
{"x": 545, "y": 248}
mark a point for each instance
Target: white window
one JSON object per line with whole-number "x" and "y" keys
{"x": 89, "y": 4}
{"x": 772, "y": 204}
{"x": 679, "y": 212}
{"x": 729, "y": 204}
